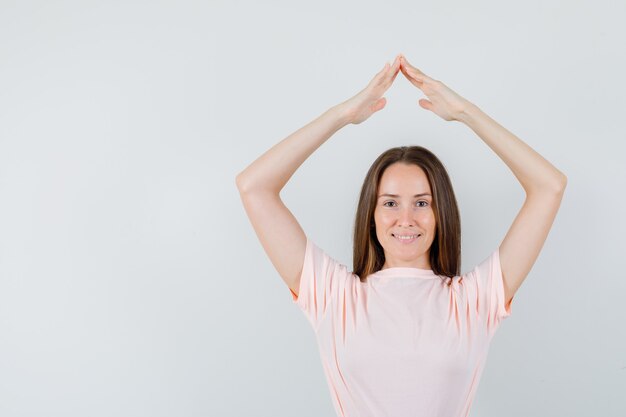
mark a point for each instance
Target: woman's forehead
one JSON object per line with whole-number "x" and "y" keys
{"x": 402, "y": 179}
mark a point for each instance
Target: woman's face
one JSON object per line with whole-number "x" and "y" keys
{"x": 406, "y": 211}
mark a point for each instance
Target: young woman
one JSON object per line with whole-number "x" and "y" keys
{"x": 403, "y": 334}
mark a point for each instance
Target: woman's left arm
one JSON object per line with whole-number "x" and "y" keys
{"x": 543, "y": 183}
{"x": 534, "y": 172}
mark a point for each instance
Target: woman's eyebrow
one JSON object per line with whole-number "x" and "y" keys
{"x": 396, "y": 195}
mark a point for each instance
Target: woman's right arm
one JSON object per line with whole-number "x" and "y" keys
{"x": 271, "y": 171}
{"x": 260, "y": 183}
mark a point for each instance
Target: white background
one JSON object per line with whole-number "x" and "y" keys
{"x": 131, "y": 280}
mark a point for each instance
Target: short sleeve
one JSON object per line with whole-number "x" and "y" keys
{"x": 322, "y": 279}
{"x": 487, "y": 289}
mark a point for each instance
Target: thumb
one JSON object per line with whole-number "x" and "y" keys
{"x": 380, "y": 104}
{"x": 426, "y": 104}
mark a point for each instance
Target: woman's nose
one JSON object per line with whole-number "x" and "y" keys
{"x": 406, "y": 217}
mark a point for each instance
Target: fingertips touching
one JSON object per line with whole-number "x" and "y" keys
{"x": 410, "y": 69}
{"x": 406, "y": 69}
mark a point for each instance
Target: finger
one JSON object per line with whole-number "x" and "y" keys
{"x": 379, "y": 105}
{"x": 384, "y": 70}
{"x": 395, "y": 74}
{"x": 388, "y": 73}
{"x": 415, "y": 80}
{"x": 419, "y": 83}
{"x": 411, "y": 71}
{"x": 404, "y": 67}
{"x": 416, "y": 74}
{"x": 380, "y": 75}
{"x": 405, "y": 64}
{"x": 426, "y": 104}
{"x": 405, "y": 70}
{"x": 393, "y": 70}
{"x": 393, "y": 65}
{"x": 384, "y": 74}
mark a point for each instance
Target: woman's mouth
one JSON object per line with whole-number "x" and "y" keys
{"x": 406, "y": 239}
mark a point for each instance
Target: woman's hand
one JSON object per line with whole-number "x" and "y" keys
{"x": 444, "y": 102}
{"x": 367, "y": 102}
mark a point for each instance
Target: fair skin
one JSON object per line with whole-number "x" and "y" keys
{"x": 260, "y": 184}
{"x": 405, "y": 215}
{"x": 543, "y": 184}
{"x": 282, "y": 236}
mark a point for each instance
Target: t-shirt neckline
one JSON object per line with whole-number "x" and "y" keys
{"x": 405, "y": 271}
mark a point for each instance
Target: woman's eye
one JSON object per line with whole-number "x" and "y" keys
{"x": 422, "y": 201}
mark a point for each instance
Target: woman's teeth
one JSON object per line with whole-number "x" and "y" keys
{"x": 406, "y": 238}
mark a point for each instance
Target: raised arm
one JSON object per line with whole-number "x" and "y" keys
{"x": 260, "y": 183}
{"x": 543, "y": 183}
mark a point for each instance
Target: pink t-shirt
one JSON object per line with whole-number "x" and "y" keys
{"x": 403, "y": 343}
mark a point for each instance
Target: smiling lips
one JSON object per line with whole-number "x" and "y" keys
{"x": 406, "y": 239}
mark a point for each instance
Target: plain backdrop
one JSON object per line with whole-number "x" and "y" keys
{"x": 131, "y": 280}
